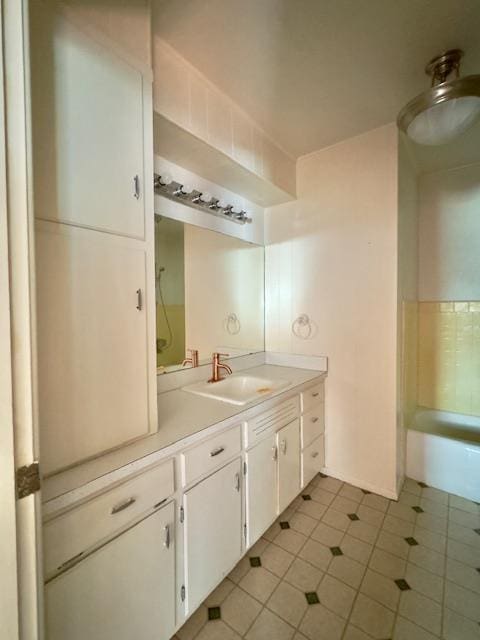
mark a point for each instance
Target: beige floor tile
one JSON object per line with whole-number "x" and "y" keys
{"x": 259, "y": 546}
{"x": 272, "y": 532}
{"x": 412, "y": 486}
{"x": 288, "y": 602}
{"x": 456, "y": 502}
{"x": 376, "y": 502}
{"x": 464, "y": 518}
{"x": 463, "y": 534}
{"x": 276, "y": 559}
{"x": 336, "y": 596}
{"x": 435, "y": 494}
{"x": 240, "y": 570}
{"x": 425, "y": 582}
{"x": 303, "y": 523}
{"x": 330, "y": 484}
{"x": 269, "y": 626}
{"x": 406, "y": 630}
{"x": 456, "y": 627}
{"x": 349, "y": 571}
{"x": 387, "y": 564}
{"x": 336, "y": 519}
{"x": 372, "y": 617}
{"x": 259, "y": 583}
{"x": 363, "y": 531}
{"x": 344, "y": 505}
{"x": 312, "y": 508}
{"x": 352, "y": 633}
{"x": 409, "y": 499}
{"x": 433, "y": 523}
{"x": 219, "y": 594}
{"x": 356, "y": 549}
{"x": 290, "y": 540}
{"x": 303, "y": 575}
{"x": 329, "y": 536}
{"x": 321, "y": 624}
{"x": 434, "y": 507}
{"x": 372, "y": 516}
{"x": 323, "y": 496}
{"x": 392, "y": 543}
{"x": 351, "y": 492}
{"x": 397, "y": 526}
{"x": 381, "y": 589}
{"x": 217, "y": 630}
{"x": 239, "y": 610}
{"x": 463, "y": 553}
{"x": 463, "y": 601}
{"x": 421, "y": 610}
{"x": 402, "y": 511}
{"x": 427, "y": 559}
{"x": 434, "y": 541}
{"x": 193, "y": 625}
{"x": 463, "y": 575}
{"x": 316, "y": 553}
{"x": 299, "y": 636}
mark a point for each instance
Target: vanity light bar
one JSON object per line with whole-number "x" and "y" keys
{"x": 165, "y": 186}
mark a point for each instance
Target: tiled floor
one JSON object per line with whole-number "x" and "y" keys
{"x": 341, "y": 563}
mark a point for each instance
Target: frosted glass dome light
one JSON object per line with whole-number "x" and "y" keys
{"x": 448, "y": 108}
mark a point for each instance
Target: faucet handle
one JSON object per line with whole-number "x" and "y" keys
{"x": 221, "y": 355}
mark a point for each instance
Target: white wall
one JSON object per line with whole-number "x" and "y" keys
{"x": 333, "y": 255}
{"x": 449, "y": 234}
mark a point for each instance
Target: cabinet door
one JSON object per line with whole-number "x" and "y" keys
{"x": 288, "y": 441}
{"x": 124, "y": 590}
{"x": 92, "y": 347}
{"x": 88, "y": 129}
{"x": 213, "y": 532}
{"x": 261, "y": 488}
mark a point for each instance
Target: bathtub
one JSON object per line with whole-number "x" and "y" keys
{"x": 443, "y": 450}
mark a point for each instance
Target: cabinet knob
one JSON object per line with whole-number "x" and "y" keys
{"x": 274, "y": 453}
{"x": 122, "y": 505}
{"x": 139, "y": 300}
{"x": 314, "y": 395}
{"x": 315, "y": 419}
{"x": 283, "y": 446}
{"x": 217, "y": 451}
{"x": 314, "y": 454}
{"x": 237, "y": 482}
{"x": 136, "y": 187}
{"x": 166, "y": 540}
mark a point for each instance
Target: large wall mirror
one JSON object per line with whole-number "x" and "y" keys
{"x": 209, "y": 294}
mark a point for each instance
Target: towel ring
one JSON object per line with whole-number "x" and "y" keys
{"x": 232, "y": 324}
{"x": 302, "y": 327}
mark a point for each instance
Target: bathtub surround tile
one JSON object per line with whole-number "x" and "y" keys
{"x": 393, "y": 574}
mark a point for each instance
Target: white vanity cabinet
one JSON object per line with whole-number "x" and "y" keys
{"x": 123, "y": 590}
{"x": 288, "y": 443}
{"x": 212, "y": 531}
{"x": 312, "y": 429}
{"x": 261, "y": 487}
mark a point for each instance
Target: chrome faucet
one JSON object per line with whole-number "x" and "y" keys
{"x": 217, "y": 365}
{"x": 193, "y": 360}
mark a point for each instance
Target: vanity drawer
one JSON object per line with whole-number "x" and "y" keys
{"x": 311, "y": 396}
{"x": 313, "y": 460}
{"x": 272, "y": 420}
{"x": 209, "y": 454}
{"x": 75, "y": 531}
{"x": 313, "y": 424}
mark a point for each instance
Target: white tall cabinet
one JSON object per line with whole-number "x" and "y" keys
{"x": 93, "y": 202}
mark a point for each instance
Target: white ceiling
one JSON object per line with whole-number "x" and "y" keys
{"x": 313, "y": 72}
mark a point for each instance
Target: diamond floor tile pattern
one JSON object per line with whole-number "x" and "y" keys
{"x": 342, "y": 563}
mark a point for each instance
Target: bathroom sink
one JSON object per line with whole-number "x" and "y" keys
{"x": 237, "y": 389}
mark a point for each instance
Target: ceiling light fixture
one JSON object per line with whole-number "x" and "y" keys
{"x": 448, "y": 108}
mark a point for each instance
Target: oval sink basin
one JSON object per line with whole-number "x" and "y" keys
{"x": 237, "y": 389}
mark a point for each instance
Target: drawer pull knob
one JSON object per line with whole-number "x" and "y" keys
{"x": 314, "y": 454}
{"x": 166, "y": 541}
{"x": 314, "y": 419}
{"x": 314, "y": 395}
{"x": 237, "y": 482}
{"x": 122, "y": 505}
{"x": 283, "y": 446}
{"x": 216, "y": 451}
{"x": 274, "y": 453}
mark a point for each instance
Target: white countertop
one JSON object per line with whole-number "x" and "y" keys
{"x": 180, "y": 415}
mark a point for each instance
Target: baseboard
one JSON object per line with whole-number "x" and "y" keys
{"x": 386, "y": 493}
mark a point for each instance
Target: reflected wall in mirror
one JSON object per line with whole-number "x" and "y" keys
{"x": 209, "y": 293}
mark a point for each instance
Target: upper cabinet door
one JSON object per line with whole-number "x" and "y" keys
{"x": 88, "y": 129}
{"x": 288, "y": 440}
{"x": 92, "y": 355}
